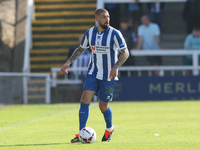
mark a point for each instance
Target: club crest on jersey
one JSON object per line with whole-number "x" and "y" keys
{"x": 93, "y": 48}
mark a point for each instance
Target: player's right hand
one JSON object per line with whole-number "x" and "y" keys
{"x": 63, "y": 69}
{"x": 113, "y": 73}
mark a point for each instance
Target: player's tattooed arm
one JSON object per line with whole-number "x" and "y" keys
{"x": 122, "y": 58}
{"x": 76, "y": 54}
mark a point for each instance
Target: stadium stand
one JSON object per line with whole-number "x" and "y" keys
{"x": 57, "y": 26}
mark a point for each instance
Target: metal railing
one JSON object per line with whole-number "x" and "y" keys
{"x": 171, "y": 52}
{"x": 162, "y": 69}
{"x": 25, "y": 77}
{"x": 141, "y": 1}
{"x": 55, "y": 81}
{"x": 100, "y": 3}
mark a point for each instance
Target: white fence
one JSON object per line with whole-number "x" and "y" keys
{"x": 56, "y": 81}
{"x": 162, "y": 69}
{"x": 100, "y": 3}
{"x": 142, "y": 1}
{"x": 176, "y": 52}
{"x": 24, "y": 86}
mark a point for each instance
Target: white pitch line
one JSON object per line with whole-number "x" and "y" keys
{"x": 39, "y": 119}
{"x": 36, "y": 120}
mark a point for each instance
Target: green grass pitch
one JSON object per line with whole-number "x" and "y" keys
{"x": 163, "y": 125}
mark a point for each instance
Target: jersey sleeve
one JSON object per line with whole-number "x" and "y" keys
{"x": 157, "y": 30}
{"x": 119, "y": 40}
{"x": 140, "y": 31}
{"x": 85, "y": 41}
{"x": 187, "y": 43}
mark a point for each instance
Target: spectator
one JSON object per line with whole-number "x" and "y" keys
{"x": 128, "y": 34}
{"x": 129, "y": 37}
{"x": 81, "y": 62}
{"x": 192, "y": 42}
{"x": 149, "y": 39}
{"x": 191, "y": 14}
{"x": 135, "y": 10}
{"x": 156, "y": 12}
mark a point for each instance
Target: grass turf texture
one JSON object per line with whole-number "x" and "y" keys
{"x": 41, "y": 127}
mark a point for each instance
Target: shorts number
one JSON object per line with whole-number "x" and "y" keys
{"x": 109, "y": 90}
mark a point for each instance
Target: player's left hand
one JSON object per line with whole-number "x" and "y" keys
{"x": 64, "y": 67}
{"x": 113, "y": 73}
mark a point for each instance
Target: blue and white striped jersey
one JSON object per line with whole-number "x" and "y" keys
{"x": 105, "y": 48}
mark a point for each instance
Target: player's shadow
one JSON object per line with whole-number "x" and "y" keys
{"x": 41, "y": 144}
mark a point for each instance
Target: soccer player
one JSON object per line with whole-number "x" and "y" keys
{"x": 105, "y": 42}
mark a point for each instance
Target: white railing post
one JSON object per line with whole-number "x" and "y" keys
{"x": 100, "y": 4}
{"x": 162, "y": 73}
{"x": 195, "y": 61}
{"x": 28, "y": 40}
{"x": 54, "y": 77}
{"x": 25, "y": 90}
{"x": 48, "y": 89}
{"x": 28, "y": 46}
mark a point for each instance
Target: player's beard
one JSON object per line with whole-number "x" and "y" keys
{"x": 104, "y": 26}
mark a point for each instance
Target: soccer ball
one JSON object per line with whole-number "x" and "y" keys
{"x": 87, "y": 135}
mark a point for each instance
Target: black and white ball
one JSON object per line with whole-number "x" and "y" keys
{"x": 87, "y": 135}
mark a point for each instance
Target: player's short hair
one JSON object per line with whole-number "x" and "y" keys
{"x": 99, "y": 11}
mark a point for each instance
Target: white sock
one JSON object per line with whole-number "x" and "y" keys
{"x": 110, "y": 129}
